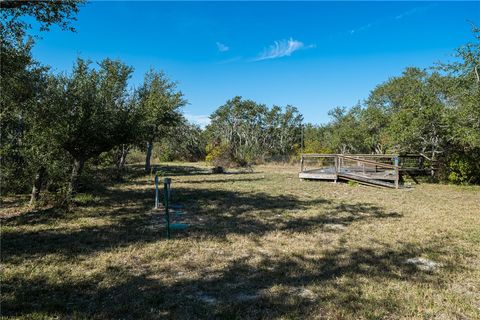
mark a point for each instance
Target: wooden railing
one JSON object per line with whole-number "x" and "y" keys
{"x": 368, "y": 169}
{"x": 363, "y": 167}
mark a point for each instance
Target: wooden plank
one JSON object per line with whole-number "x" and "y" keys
{"x": 378, "y": 164}
{"x": 317, "y": 176}
{"x": 365, "y": 180}
{"x": 363, "y": 168}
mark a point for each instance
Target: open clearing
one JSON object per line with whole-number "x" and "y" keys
{"x": 259, "y": 245}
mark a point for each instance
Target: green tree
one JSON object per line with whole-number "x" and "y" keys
{"x": 415, "y": 104}
{"x": 239, "y": 126}
{"x": 160, "y": 104}
{"x": 184, "y": 142}
{"x": 244, "y": 132}
{"x": 283, "y": 131}
{"x": 346, "y": 135}
{"x": 24, "y": 150}
{"x": 87, "y": 112}
{"x": 16, "y": 16}
{"x": 463, "y": 96}
{"x": 22, "y": 86}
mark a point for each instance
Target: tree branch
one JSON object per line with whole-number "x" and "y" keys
{"x": 476, "y": 73}
{"x": 12, "y": 4}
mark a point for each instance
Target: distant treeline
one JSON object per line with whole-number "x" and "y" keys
{"x": 55, "y": 126}
{"x": 434, "y": 112}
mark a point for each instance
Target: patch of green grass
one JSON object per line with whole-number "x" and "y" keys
{"x": 84, "y": 199}
{"x": 352, "y": 183}
{"x": 259, "y": 245}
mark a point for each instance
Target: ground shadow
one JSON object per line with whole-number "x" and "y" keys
{"x": 296, "y": 286}
{"x": 274, "y": 287}
{"x": 209, "y": 213}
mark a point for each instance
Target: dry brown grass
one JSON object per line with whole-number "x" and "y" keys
{"x": 259, "y": 245}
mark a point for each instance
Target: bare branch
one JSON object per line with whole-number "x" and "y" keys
{"x": 476, "y": 73}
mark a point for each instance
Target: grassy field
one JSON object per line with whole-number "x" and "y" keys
{"x": 259, "y": 245}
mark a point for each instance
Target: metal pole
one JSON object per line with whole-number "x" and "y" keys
{"x": 397, "y": 173}
{"x": 156, "y": 192}
{"x": 166, "y": 199}
{"x": 301, "y": 143}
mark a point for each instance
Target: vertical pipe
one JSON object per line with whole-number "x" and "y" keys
{"x": 335, "y": 159}
{"x": 397, "y": 173}
{"x": 166, "y": 199}
{"x": 301, "y": 142}
{"x": 156, "y": 191}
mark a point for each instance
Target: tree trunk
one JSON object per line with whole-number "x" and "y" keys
{"x": 148, "y": 157}
{"x": 37, "y": 185}
{"x": 432, "y": 168}
{"x": 120, "y": 159}
{"x": 123, "y": 158}
{"x": 76, "y": 172}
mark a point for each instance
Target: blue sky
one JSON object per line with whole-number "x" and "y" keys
{"x": 314, "y": 55}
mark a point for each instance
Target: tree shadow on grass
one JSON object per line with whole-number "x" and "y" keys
{"x": 294, "y": 286}
{"x": 126, "y": 218}
{"x": 181, "y": 170}
{"x": 218, "y": 213}
{"x": 226, "y": 179}
{"x": 260, "y": 285}
{"x": 184, "y": 170}
{"x": 276, "y": 286}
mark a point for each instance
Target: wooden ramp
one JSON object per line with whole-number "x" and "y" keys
{"x": 372, "y": 170}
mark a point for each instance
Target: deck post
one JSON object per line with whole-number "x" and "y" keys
{"x": 301, "y": 164}
{"x": 397, "y": 172}
{"x": 156, "y": 191}
{"x": 336, "y": 168}
{"x": 166, "y": 203}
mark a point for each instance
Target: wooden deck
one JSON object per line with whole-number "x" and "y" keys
{"x": 372, "y": 170}
{"x": 371, "y": 178}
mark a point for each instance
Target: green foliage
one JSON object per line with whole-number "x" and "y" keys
{"x": 433, "y": 112}
{"x": 183, "y": 142}
{"x": 88, "y": 109}
{"x": 16, "y": 16}
{"x": 25, "y": 146}
{"x": 464, "y": 168}
{"x": 247, "y": 132}
{"x": 52, "y": 125}
{"x": 315, "y": 139}
{"x": 160, "y": 102}
{"x": 27, "y": 153}
{"x": 415, "y": 105}
{"x": 218, "y": 155}
{"x": 346, "y": 134}
{"x": 85, "y": 199}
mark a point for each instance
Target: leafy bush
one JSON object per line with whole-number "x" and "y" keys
{"x": 464, "y": 169}
{"x": 218, "y": 155}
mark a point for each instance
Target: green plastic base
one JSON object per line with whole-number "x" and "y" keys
{"x": 178, "y": 226}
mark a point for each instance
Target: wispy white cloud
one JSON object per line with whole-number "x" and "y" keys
{"x": 222, "y": 47}
{"x": 282, "y": 48}
{"x": 413, "y": 11}
{"x": 199, "y": 119}
{"x": 400, "y": 16}
{"x": 362, "y": 28}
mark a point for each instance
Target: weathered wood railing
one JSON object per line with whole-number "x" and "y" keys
{"x": 356, "y": 167}
{"x": 383, "y": 170}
